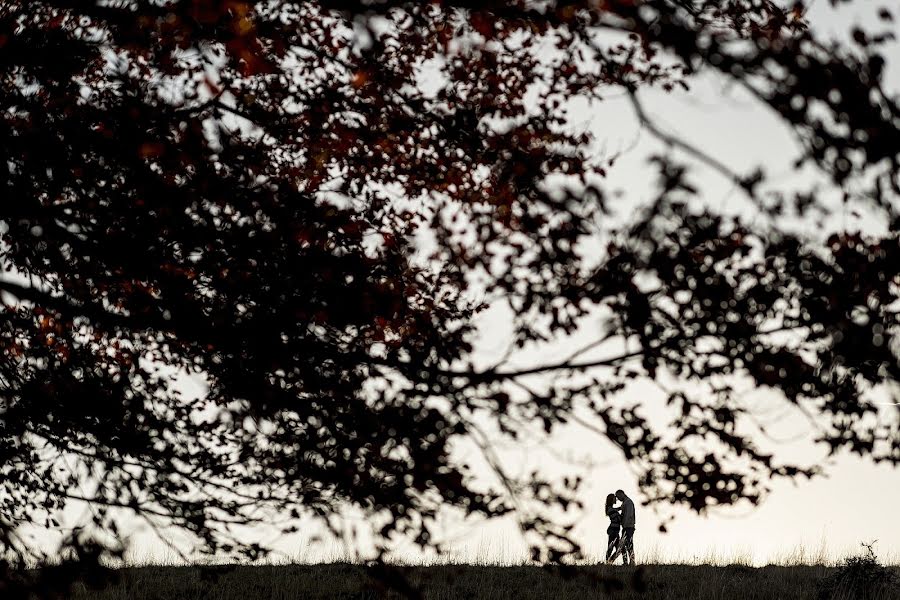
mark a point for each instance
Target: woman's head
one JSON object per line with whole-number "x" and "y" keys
{"x": 610, "y": 500}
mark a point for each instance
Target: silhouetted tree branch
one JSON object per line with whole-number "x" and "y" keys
{"x": 300, "y": 204}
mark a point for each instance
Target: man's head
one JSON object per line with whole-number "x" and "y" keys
{"x": 620, "y": 495}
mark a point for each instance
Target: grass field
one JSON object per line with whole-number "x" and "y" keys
{"x": 343, "y": 580}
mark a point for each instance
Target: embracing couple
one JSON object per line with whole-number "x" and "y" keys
{"x": 621, "y": 528}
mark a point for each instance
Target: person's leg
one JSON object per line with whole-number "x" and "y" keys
{"x": 628, "y": 546}
{"x": 612, "y": 543}
{"x": 620, "y": 547}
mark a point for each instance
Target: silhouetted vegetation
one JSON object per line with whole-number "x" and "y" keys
{"x": 477, "y": 581}
{"x": 861, "y": 577}
{"x": 265, "y": 196}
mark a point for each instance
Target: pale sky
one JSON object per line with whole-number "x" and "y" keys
{"x": 857, "y": 502}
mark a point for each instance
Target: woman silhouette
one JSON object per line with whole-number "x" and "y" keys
{"x": 615, "y": 521}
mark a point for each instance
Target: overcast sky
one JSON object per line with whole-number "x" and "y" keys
{"x": 858, "y": 502}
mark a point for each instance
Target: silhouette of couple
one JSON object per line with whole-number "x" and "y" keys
{"x": 621, "y": 528}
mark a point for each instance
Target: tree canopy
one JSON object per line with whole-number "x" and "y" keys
{"x": 308, "y": 203}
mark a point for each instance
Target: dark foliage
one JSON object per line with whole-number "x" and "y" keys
{"x": 861, "y": 577}
{"x": 79, "y": 562}
{"x": 264, "y": 195}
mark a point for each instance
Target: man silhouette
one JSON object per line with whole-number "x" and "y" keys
{"x": 627, "y": 527}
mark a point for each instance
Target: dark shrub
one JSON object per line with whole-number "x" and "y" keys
{"x": 860, "y": 577}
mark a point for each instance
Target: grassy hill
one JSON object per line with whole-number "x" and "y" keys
{"x": 651, "y": 582}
